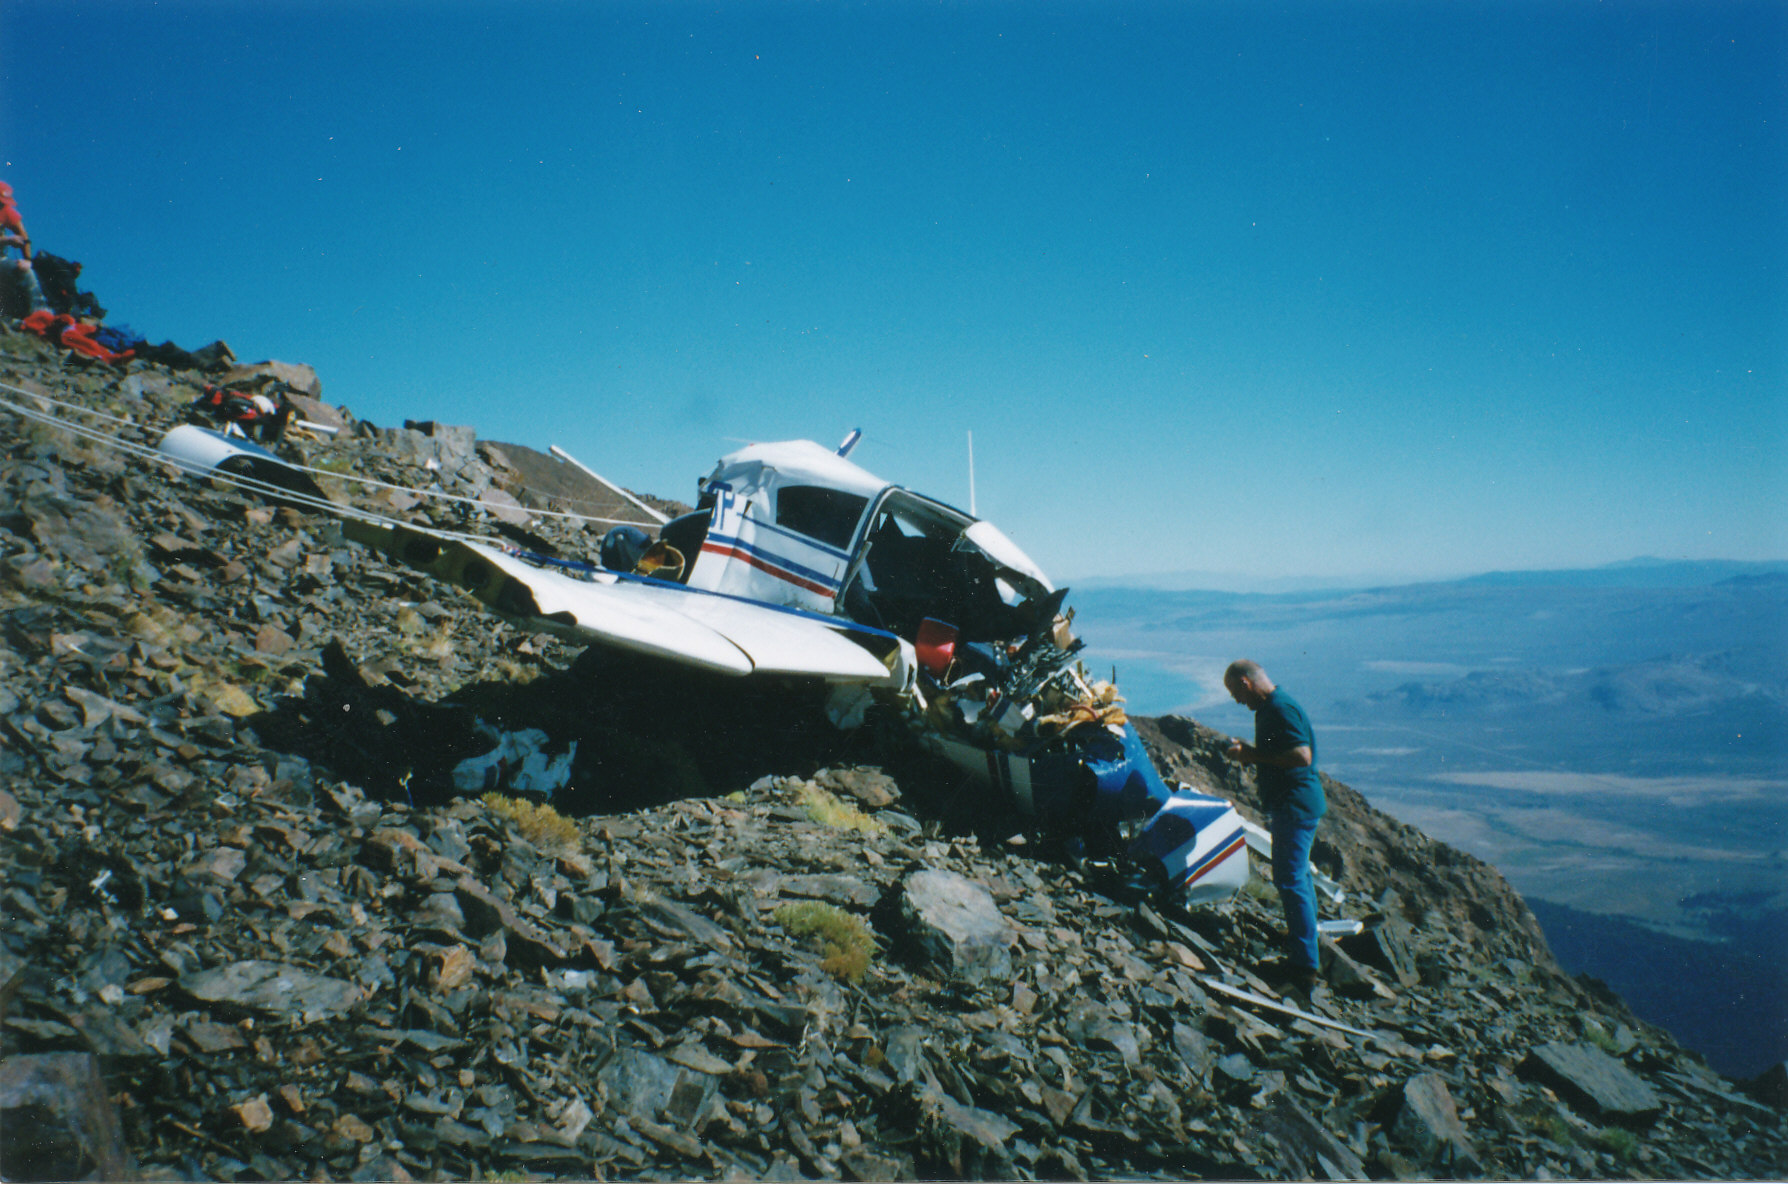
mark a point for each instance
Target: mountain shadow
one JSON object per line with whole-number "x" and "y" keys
{"x": 1727, "y": 1000}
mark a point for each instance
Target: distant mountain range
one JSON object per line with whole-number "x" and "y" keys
{"x": 1726, "y": 683}
{"x": 1645, "y": 572}
{"x": 1639, "y": 573}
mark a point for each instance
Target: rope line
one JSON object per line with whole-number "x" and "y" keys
{"x": 154, "y": 454}
{"x": 81, "y": 407}
{"x": 240, "y": 480}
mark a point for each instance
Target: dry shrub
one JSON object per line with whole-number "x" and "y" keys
{"x": 542, "y": 826}
{"x": 844, "y": 938}
{"x": 827, "y": 809}
{"x": 511, "y": 671}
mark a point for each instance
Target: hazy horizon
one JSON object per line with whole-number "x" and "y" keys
{"x": 1195, "y": 580}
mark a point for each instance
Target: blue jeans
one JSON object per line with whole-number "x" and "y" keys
{"x": 1292, "y": 836}
{"x": 20, "y": 293}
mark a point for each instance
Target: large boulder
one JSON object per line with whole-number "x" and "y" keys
{"x": 319, "y": 412}
{"x": 1385, "y": 944}
{"x": 1428, "y": 1124}
{"x": 297, "y": 375}
{"x": 57, "y": 1121}
{"x": 1591, "y": 1080}
{"x": 646, "y": 1086}
{"x": 425, "y": 443}
{"x": 951, "y": 924}
{"x": 872, "y": 787}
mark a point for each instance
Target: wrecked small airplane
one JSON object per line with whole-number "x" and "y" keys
{"x": 797, "y": 562}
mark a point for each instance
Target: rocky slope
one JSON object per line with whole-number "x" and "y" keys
{"x": 253, "y": 931}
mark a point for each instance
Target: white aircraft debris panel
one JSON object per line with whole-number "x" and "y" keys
{"x": 647, "y": 616}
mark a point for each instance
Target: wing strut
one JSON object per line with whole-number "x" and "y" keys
{"x": 594, "y": 475}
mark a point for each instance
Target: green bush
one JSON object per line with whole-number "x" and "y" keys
{"x": 844, "y": 938}
{"x": 1622, "y": 1144}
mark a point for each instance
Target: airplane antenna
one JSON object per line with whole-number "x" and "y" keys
{"x": 971, "y": 438}
{"x": 592, "y": 473}
{"x": 850, "y": 442}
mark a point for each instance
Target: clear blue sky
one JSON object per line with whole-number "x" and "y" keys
{"x": 1274, "y": 289}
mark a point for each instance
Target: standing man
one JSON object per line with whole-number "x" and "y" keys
{"x": 20, "y": 293}
{"x": 1284, "y": 753}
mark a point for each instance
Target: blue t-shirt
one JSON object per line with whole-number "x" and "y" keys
{"x": 1280, "y": 725}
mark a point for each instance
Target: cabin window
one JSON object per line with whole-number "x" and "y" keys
{"x": 829, "y": 515}
{"x": 917, "y": 562}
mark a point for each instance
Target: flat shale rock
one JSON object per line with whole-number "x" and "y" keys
{"x": 1589, "y": 1078}
{"x": 1194, "y": 1049}
{"x": 487, "y": 914}
{"x": 12, "y": 973}
{"x": 840, "y": 890}
{"x": 504, "y": 508}
{"x": 1092, "y": 1026}
{"x": 1305, "y": 1147}
{"x": 964, "y": 1141}
{"x": 273, "y": 988}
{"x": 1350, "y": 978}
{"x": 863, "y": 1163}
{"x": 950, "y": 923}
{"x": 317, "y": 411}
{"x": 649, "y": 1087}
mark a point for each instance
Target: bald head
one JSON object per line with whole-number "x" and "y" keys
{"x": 1247, "y": 683}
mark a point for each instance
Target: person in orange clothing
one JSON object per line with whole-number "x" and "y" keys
{"x": 20, "y": 293}
{"x": 10, "y": 220}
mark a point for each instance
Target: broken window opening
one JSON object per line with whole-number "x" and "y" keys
{"x": 916, "y": 562}
{"x": 819, "y": 512}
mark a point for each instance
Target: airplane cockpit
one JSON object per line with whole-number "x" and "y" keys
{"x": 918, "y": 561}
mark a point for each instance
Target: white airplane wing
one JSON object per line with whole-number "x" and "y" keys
{"x": 667, "y": 620}
{"x": 780, "y": 642}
